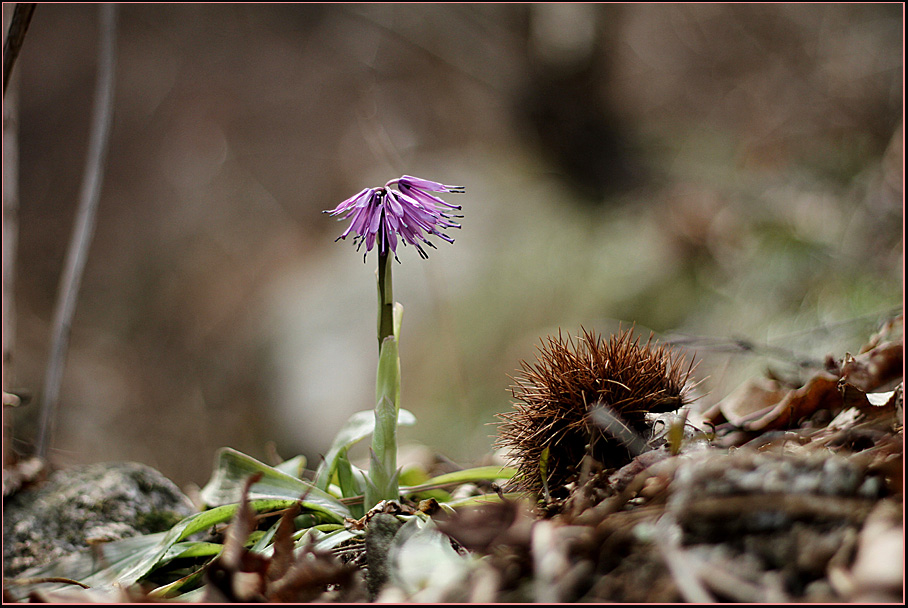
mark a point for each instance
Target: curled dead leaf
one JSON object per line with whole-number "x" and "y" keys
{"x": 820, "y": 392}
{"x": 877, "y": 368}
{"x": 290, "y": 575}
{"x": 481, "y": 528}
{"x": 754, "y": 396}
{"x": 870, "y": 404}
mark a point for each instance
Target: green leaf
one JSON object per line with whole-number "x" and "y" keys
{"x": 188, "y": 549}
{"x": 383, "y": 470}
{"x": 233, "y": 468}
{"x": 331, "y": 540}
{"x": 195, "y": 596}
{"x": 487, "y": 473}
{"x": 387, "y": 402}
{"x": 378, "y": 483}
{"x": 676, "y": 433}
{"x": 544, "y": 472}
{"x": 431, "y": 488}
{"x": 413, "y": 475}
{"x": 181, "y": 551}
{"x": 189, "y": 526}
{"x": 351, "y": 482}
{"x": 359, "y": 426}
{"x": 172, "y": 590}
{"x": 265, "y": 538}
{"x": 126, "y": 561}
{"x": 398, "y": 316}
{"x": 483, "y": 499}
{"x": 416, "y": 477}
{"x": 293, "y": 467}
{"x": 115, "y": 556}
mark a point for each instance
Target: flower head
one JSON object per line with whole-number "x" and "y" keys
{"x": 410, "y": 212}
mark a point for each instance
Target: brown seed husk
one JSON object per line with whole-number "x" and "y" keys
{"x": 551, "y": 418}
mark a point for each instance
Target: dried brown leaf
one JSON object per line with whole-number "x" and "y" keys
{"x": 238, "y": 575}
{"x": 749, "y": 399}
{"x": 482, "y": 528}
{"x": 820, "y": 392}
{"x": 877, "y": 368}
{"x": 870, "y": 404}
{"x": 310, "y": 576}
{"x": 282, "y": 558}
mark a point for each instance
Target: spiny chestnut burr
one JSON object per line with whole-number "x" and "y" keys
{"x": 551, "y": 427}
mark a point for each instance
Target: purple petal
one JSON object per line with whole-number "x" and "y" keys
{"x": 409, "y": 213}
{"x": 425, "y": 184}
{"x": 425, "y": 198}
{"x": 351, "y": 202}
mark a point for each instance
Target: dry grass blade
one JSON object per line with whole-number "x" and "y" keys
{"x": 683, "y": 567}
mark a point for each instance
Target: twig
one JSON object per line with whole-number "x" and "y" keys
{"x": 44, "y": 579}
{"x": 683, "y": 567}
{"x": 84, "y": 224}
{"x": 22, "y": 17}
{"x": 10, "y": 239}
{"x": 745, "y": 346}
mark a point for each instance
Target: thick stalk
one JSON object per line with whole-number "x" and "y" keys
{"x": 385, "y": 298}
{"x": 383, "y": 483}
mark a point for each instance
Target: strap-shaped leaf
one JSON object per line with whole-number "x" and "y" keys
{"x": 352, "y": 482}
{"x": 383, "y": 468}
{"x": 486, "y": 473}
{"x": 294, "y": 466}
{"x": 187, "y": 527}
{"x": 233, "y": 468}
{"x": 359, "y": 426}
{"x": 126, "y": 561}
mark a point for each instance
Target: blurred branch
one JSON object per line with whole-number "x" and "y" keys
{"x": 741, "y": 346}
{"x": 744, "y": 346}
{"x": 10, "y": 239}
{"x": 84, "y": 224}
{"x": 22, "y": 17}
{"x": 455, "y": 45}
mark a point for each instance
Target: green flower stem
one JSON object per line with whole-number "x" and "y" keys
{"x": 383, "y": 478}
{"x": 385, "y": 299}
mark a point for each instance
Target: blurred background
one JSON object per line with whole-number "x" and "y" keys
{"x": 709, "y": 172}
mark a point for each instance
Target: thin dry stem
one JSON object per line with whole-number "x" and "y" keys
{"x": 76, "y": 256}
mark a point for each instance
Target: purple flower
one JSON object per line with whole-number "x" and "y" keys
{"x": 410, "y": 212}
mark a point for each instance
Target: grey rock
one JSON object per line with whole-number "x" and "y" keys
{"x": 87, "y": 504}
